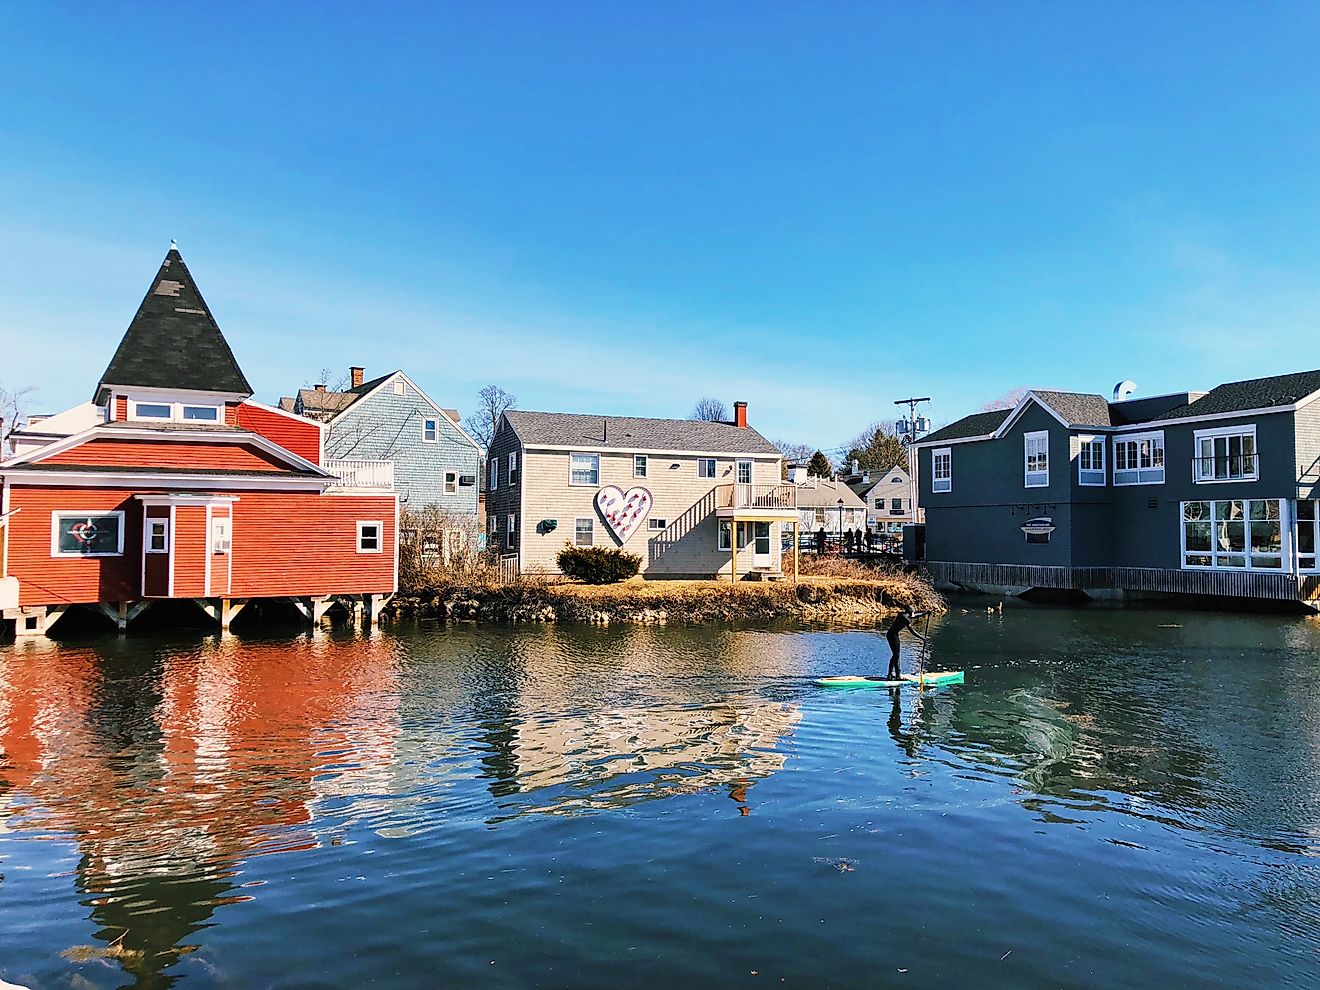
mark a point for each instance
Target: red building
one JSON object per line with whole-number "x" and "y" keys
{"x": 186, "y": 488}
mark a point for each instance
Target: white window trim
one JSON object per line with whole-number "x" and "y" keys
{"x": 1136, "y": 438}
{"x": 714, "y": 467}
{"x": 1296, "y": 523}
{"x": 494, "y": 474}
{"x": 722, "y": 527}
{"x": 434, "y": 429}
{"x": 751, "y": 471}
{"x": 935, "y": 479}
{"x": 657, "y": 525}
{"x": 583, "y": 484}
{"x": 1287, "y": 554}
{"x": 380, "y": 535}
{"x": 446, "y": 484}
{"x": 55, "y": 532}
{"x": 642, "y": 461}
{"x": 510, "y": 531}
{"x": 591, "y": 531}
{"x": 1224, "y": 431}
{"x": 512, "y": 467}
{"x": 222, "y": 526}
{"x": 175, "y": 405}
{"x": 1103, "y": 470}
{"x": 1027, "y": 473}
{"x": 164, "y": 523}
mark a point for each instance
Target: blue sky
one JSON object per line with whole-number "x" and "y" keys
{"x": 620, "y": 208}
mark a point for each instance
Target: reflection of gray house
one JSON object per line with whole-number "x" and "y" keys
{"x": 890, "y": 498}
{"x": 1212, "y": 493}
{"x": 388, "y": 433}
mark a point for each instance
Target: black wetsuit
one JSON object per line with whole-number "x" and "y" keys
{"x": 895, "y": 628}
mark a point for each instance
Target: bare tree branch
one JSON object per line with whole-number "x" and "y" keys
{"x": 709, "y": 410}
{"x": 13, "y": 415}
{"x": 492, "y": 403}
{"x": 1008, "y": 400}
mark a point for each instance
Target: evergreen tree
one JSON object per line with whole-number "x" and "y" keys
{"x": 820, "y": 466}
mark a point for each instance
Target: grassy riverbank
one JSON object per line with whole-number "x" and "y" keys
{"x": 812, "y": 599}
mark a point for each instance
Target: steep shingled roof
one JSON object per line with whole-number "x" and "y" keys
{"x": 1256, "y": 393}
{"x": 634, "y": 433}
{"x": 975, "y": 425}
{"x": 1077, "y": 408}
{"x": 173, "y": 341}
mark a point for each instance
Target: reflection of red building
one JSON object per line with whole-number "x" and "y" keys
{"x": 169, "y": 778}
{"x": 185, "y": 488}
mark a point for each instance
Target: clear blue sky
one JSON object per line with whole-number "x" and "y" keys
{"x": 621, "y": 207}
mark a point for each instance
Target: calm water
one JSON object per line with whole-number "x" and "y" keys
{"x": 1113, "y": 799}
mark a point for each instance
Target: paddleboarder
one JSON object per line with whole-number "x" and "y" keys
{"x": 904, "y": 621}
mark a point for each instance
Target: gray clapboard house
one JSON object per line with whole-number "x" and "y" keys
{"x": 388, "y": 433}
{"x": 1206, "y": 493}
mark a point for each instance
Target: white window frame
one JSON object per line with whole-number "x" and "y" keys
{"x": 153, "y": 524}
{"x": 135, "y": 410}
{"x": 222, "y": 534}
{"x": 724, "y": 537}
{"x": 1314, "y": 522}
{"x": 1091, "y": 447}
{"x": 640, "y": 465}
{"x": 595, "y": 483}
{"x": 214, "y": 409}
{"x": 512, "y": 467}
{"x": 380, "y": 536}
{"x": 1198, "y": 462}
{"x": 707, "y": 467}
{"x": 1149, "y": 475}
{"x": 176, "y": 409}
{"x": 450, "y": 483}
{"x": 430, "y": 429}
{"x": 493, "y": 525}
{"x": 1286, "y": 555}
{"x": 896, "y": 505}
{"x": 399, "y": 387}
{"x": 941, "y": 481}
{"x": 1039, "y": 478}
{"x": 511, "y": 532}
{"x": 55, "y": 518}
{"x": 738, "y": 470}
{"x": 494, "y": 474}
{"x": 578, "y": 532}
{"x": 657, "y": 525}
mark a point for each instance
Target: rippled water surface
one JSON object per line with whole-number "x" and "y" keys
{"x": 1112, "y": 799}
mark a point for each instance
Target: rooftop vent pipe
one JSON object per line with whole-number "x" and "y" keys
{"x": 1123, "y": 390}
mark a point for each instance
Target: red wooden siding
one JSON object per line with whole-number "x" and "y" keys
{"x": 156, "y": 566}
{"x": 176, "y": 454}
{"x": 121, "y": 409}
{"x": 283, "y": 544}
{"x": 218, "y": 562}
{"x": 301, "y": 436}
{"x": 231, "y": 413}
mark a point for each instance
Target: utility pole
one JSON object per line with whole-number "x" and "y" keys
{"x": 909, "y": 432}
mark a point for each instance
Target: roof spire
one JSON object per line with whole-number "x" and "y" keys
{"x": 174, "y": 245}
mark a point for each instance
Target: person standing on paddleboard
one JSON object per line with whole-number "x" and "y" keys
{"x": 904, "y": 621}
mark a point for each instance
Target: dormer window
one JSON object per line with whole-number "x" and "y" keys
{"x": 151, "y": 410}
{"x": 166, "y": 410}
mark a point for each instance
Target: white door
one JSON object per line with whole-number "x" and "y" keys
{"x": 761, "y": 544}
{"x": 743, "y": 476}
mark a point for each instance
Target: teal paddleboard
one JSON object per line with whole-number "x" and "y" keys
{"x": 932, "y": 678}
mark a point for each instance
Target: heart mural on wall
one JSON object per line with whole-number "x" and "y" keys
{"x": 624, "y": 512}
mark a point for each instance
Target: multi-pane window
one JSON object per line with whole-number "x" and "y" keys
{"x": 1306, "y": 533}
{"x": 1226, "y": 455}
{"x": 941, "y": 472}
{"x": 726, "y": 536}
{"x": 451, "y": 482}
{"x": 1036, "y": 450}
{"x": 744, "y": 472}
{"x": 1139, "y": 459}
{"x": 584, "y": 532}
{"x": 895, "y": 505}
{"x": 430, "y": 430}
{"x": 95, "y": 535}
{"x": 657, "y": 525}
{"x": 1091, "y": 461}
{"x": 706, "y": 467}
{"x": 584, "y": 469}
{"x": 158, "y": 536}
{"x": 639, "y": 465}
{"x": 1233, "y": 533}
{"x": 369, "y": 537}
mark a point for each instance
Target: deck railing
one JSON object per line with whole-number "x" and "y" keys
{"x": 756, "y": 497}
{"x": 363, "y": 474}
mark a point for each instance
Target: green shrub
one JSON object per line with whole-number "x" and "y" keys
{"x": 598, "y": 565}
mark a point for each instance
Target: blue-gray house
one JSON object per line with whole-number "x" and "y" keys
{"x": 1205, "y": 493}
{"x": 388, "y": 433}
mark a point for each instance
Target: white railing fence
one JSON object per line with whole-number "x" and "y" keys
{"x": 363, "y": 474}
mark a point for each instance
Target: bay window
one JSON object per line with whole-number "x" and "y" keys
{"x": 1139, "y": 459}
{"x": 1226, "y": 454}
{"x": 1233, "y": 533}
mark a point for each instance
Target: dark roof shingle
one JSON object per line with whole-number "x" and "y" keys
{"x": 1077, "y": 408}
{"x": 635, "y": 433}
{"x": 976, "y": 425}
{"x": 173, "y": 341}
{"x": 1256, "y": 393}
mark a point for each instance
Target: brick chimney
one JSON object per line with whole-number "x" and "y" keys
{"x": 319, "y": 386}
{"x": 740, "y": 415}
{"x": 355, "y": 374}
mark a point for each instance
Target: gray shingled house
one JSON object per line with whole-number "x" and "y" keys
{"x": 692, "y": 499}
{"x": 1205, "y": 493}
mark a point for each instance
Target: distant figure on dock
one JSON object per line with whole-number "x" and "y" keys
{"x": 870, "y": 539}
{"x": 904, "y": 621}
{"x": 820, "y": 542}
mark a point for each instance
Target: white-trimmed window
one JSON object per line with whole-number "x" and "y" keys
{"x": 1227, "y": 454}
{"x": 941, "y": 470}
{"x": 584, "y": 532}
{"x": 511, "y": 532}
{"x": 1091, "y": 462}
{"x": 221, "y": 531}
{"x": 1139, "y": 459}
{"x": 639, "y": 465}
{"x": 451, "y": 482}
{"x": 584, "y": 469}
{"x": 158, "y": 535}
{"x": 726, "y": 536}
{"x": 369, "y": 538}
{"x": 493, "y": 525}
{"x": 494, "y": 472}
{"x": 200, "y": 414}
{"x": 1234, "y": 534}
{"x": 174, "y": 411}
{"x": 744, "y": 472}
{"x": 430, "y": 430}
{"x": 895, "y": 505}
{"x": 1036, "y": 452}
{"x": 151, "y": 410}
{"x": 87, "y": 534}
{"x": 706, "y": 467}
{"x": 513, "y": 468}
{"x": 1306, "y": 534}
{"x": 657, "y": 525}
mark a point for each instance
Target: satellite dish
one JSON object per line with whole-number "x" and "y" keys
{"x": 1124, "y": 389}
